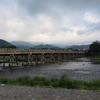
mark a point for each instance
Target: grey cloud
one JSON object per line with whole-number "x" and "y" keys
{"x": 7, "y": 2}
{"x": 34, "y": 6}
{"x": 59, "y": 6}
{"x": 91, "y": 28}
{"x": 53, "y": 20}
{"x": 94, "y": 27}
{"x": 80, "y": 32}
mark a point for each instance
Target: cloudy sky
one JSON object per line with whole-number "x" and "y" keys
{"x": 50, "y": 21}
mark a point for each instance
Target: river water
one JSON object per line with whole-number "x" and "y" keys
{"x": 81, "y": 69}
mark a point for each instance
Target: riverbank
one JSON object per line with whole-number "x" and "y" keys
{"x": 8, "y": 92}
{"x": 95, "y": 60}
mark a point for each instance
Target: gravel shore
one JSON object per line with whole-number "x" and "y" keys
{"x": 8, "y": 92}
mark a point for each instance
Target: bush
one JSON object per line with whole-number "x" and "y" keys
{"x": 25, "y": 80}
{"x": 40, "y": 80}
{"x": 63, "y": 82}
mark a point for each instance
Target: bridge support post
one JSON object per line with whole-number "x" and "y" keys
{"x": 4, "y": 61}
{"x": 76, "y": 55}
{"x": 22, "y": 60}
{"x": 69, "y": 55}
{"x": 11, "y": 63}
{"x": 42, "y": 58}
{"x": 16, "y": 60}
{"x": 52, "y": 58}
{"x": 59, "y": 57}
{"x": 36, "y": 59}
{"x": 73, "y": 55}
{"x": 29, "y": 61}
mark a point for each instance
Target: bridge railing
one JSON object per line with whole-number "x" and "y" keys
{"x": 37, "y": 51}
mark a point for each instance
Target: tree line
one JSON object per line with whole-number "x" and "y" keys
{"x": 94, "y": 49}
{"x": 11, "y": 46}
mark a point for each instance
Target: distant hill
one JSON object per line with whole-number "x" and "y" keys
{"x": 22, "y": 44}
{"x": 79, "y": 46}
{"x": 27, "y": 45}
{"x": 4, "y": 43}
{"x": 47, "y": 46}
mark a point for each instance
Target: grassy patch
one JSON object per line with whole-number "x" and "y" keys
{"x": 95, "y": 60}
{"x": 62, "y": 82}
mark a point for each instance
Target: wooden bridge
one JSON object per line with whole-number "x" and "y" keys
{"x": 26, "y": 57}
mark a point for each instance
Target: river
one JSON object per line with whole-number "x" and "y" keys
{"x": 81, "y": 69}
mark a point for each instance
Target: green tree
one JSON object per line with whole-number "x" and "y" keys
{"x": 12, "y": 46}
{"x": 4, "y": 46}
{"x": 70, "y": 49}
{"x": 95, "y": 47}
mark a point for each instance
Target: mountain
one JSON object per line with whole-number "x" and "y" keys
{"x": 47, "y": 46}
{"x": 79, "y": 46}
{"x": 22, "y": 44}
{"x": 4, "y": 43}
{"x": 27, "y": 45}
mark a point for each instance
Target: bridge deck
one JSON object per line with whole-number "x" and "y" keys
{"x": 31, "y": 51}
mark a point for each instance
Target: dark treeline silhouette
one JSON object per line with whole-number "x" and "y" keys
{"x": 11, "y": 46}
{"x": 94, "y": 49}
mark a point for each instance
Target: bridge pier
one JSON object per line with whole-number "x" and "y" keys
{"x": 16, "y": 60}
{"x": 23, "y": 60}
{"x": 43, "y": 58}
{"x": 4, "y": 60}
{"x": 52, "y": 58}
{"x": 11, "y": 63}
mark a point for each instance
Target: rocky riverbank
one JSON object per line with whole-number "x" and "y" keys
{"x": 28, "y": 93}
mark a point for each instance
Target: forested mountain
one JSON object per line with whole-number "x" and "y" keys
{"x": 22, "y": 44}
{"x": 28, "y": 45}
{"x": 47, "y": 46}
{"x": 4, "y": 43}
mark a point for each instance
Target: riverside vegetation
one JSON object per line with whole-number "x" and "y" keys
{"x": 62, "y": 82}
{"x": 95, "y": 60}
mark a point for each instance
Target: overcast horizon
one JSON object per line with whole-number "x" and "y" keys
{"x": 60, "y": 22}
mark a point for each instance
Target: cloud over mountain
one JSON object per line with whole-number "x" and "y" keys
{"x": 50, "y": 21}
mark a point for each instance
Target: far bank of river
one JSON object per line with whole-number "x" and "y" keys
{"x": 81, "y": 69}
